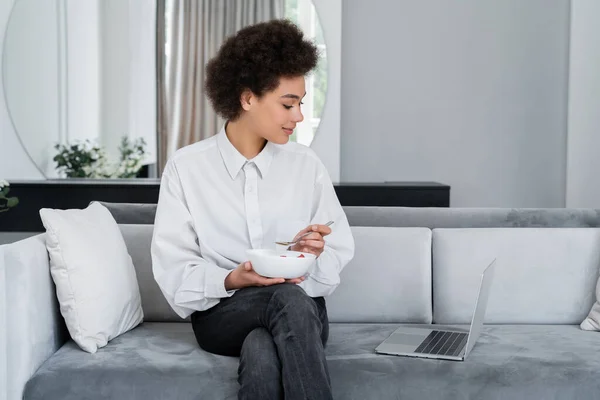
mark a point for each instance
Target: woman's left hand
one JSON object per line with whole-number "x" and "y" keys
{"x": 314, "y": 242}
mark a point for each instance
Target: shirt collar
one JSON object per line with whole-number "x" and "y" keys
{"x": 235, "y": 161}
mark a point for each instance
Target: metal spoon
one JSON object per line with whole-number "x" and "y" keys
{"x": 300, "y": 237}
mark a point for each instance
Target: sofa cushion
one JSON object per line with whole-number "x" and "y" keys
{"x": 138, "y": 239}
{"x": 163, "y": 361}
{"x": 543, "y": 275}
{"x": 508, "y": 362}
{"x": 388, "y": 280}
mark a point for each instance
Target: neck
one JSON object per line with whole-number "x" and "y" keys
{"x": 243, "y": 139}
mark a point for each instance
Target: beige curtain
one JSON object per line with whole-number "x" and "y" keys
{"x": 189, "y": 33}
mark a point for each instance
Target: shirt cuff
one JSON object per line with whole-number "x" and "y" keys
{"x": 325, "y": 269}
{"x": 215, "y": 283}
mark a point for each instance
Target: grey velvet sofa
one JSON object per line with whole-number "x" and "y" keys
{"x": 412, "y": 266}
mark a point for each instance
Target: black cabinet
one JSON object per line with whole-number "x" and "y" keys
{"x": 394, "y": 194}
{"x": 75, "y": 193}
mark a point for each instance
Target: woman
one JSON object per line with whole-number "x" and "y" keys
{"x": 247, "y": 187}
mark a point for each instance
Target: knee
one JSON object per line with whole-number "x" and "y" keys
{"x": 259, "y": 353}
{"x": 292, "y": 301}
{"x": 259, "y": 371}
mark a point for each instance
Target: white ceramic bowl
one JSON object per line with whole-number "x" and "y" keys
{"x": 280, "y": 264}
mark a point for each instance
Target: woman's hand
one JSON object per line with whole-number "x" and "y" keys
{"x": 314, "y": 242}
{"x": 245, "y": 276}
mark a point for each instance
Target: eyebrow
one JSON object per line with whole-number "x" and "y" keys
{"x": 292, "y": 96}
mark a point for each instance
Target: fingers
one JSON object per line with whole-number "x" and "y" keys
{"x": 262, "y": 281}
{"x": 302, "y": 232}
{"x": 308, "y": 249}
{"x": 314, "y": 240}
{"x": 315, "y": 247}
{"x": 295, "y": 280}
{"x": 315, "y": 244}
{"x": 323, "y": 230}
{"x": 258, "y": 279}
{"x": 312, "y": 250}
{"x": 313, "y": 236}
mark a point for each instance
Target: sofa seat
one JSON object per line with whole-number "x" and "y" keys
{"x": 163, "y": 361}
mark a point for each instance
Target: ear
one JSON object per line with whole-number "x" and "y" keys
{"x": 247, "y": 99}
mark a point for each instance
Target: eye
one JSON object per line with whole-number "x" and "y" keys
{"x": 290, "y": 107}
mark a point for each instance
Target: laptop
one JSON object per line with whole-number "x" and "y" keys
{"x": 443, "y": 344}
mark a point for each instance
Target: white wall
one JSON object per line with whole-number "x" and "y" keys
{"x": 496, "y": 79}
{"x": 583, "y": 160}
{"x": 142, "y": 72}
{"x": 115, "y": 79}
{"x": 326, "y": 142}
{"x": 35, "y": 75}
{"x": 469, "y": 93}
{"x": 115, "y": 73}
{"x": 128, "y": 74}
{"x": 39, "y": 90}
{"x": 83, "y": 72}
{"x": 80, "y": 80}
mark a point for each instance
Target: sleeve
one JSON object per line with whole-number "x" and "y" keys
{"x": 339, "y": 244}
{"x": 187, "y": 280}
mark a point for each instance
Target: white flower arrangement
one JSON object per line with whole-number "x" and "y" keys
{"x": 88, "y": 160}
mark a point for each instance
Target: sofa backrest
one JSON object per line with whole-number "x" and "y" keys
{"x": 429, "y": 217}
{"x": 418, "y": 275}
{"x": 547, "y": 264}
{"x": 542, "y": 275}
{"x": 389, "y": 279}
{"x": 138, "y": 239}
{"x": 434, "y": 217}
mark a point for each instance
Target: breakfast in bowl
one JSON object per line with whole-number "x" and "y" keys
{"x": 280, "y": 264}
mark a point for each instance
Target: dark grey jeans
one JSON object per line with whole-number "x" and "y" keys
{"x": 279, "y": 333}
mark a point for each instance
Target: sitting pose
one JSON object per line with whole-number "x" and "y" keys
{"x": 244, "y": 188}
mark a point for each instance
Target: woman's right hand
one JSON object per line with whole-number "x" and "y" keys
{"x": 245, "y": 276}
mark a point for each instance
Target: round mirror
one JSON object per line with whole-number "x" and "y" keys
{"x": 93, "y": 87}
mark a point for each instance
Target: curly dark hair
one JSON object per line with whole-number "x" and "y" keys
{"x": 255, "y": 58}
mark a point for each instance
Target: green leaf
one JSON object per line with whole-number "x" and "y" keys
{"x": 12, "y": 202}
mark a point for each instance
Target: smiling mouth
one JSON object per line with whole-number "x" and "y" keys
{"x": 288, "y": 130}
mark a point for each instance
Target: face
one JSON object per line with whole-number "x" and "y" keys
{"x": 274, "y": 115}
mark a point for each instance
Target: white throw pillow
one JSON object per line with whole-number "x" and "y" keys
{"x": 592, "y": 321}
{"x": 95, "y": 279}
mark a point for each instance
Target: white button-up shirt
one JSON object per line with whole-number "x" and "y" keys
{"x": 214, "y": 204}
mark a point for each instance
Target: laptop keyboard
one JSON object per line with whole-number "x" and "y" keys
{"x": 443, "y": 343}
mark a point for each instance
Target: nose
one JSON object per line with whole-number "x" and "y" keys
{"x": 297, "y": 115}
